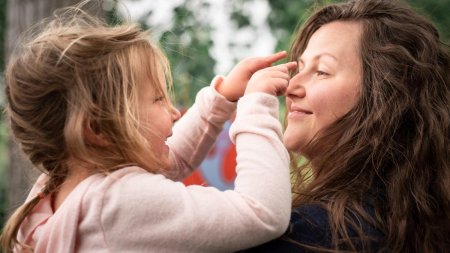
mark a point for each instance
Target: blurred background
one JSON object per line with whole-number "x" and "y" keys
{"x": 202, "y": 38}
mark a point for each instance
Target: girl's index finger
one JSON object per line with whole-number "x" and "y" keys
{"x": 271, "y": 59}
{"x": 291, "y": 65}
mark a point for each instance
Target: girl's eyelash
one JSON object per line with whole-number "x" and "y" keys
{"x": 321, "y": 73}
{"x": 158, "y": 99}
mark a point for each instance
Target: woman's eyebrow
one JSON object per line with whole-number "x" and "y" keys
{"x": 316, "y": 57}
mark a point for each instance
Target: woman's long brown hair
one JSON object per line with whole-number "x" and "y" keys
{"x": 390, "y": 154}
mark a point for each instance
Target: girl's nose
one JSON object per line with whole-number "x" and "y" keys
{"x": 176, "y": 115}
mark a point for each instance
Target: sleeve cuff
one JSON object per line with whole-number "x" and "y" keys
{"x": 256, "y": 113}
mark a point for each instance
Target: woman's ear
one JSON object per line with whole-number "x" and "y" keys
{"x": 93, "y": 135}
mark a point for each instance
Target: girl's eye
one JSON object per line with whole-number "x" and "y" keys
{"x": 159, "y": 99}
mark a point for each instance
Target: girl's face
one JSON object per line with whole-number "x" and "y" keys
{"x": 157, "y": 117}
{"x": 327, "y": 84}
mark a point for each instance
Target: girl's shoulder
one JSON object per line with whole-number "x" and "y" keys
{"x": 117, "y": 189}
{"x": 129, "y": 187}
{"x": 127, "y": 178}
{"x": 120, "y": 199}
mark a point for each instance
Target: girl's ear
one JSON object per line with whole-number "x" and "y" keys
{"x": 93, "y": 136}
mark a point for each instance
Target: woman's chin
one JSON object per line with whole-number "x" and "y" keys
{"x": 291, "y": 145}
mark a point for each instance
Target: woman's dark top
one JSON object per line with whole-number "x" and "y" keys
{"x": 310, "y": 225}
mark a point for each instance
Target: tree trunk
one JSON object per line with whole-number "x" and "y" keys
{"x": 21, "y": 14}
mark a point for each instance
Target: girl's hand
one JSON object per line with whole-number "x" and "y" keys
{"x": 273, "y": 80}
{"x": 234, "y": 85}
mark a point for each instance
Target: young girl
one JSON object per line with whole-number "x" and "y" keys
{"x": 88, "y": 105}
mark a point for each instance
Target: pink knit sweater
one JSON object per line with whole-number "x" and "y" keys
{"x": 132, "y": 210}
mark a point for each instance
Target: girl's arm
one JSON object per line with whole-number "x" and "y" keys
{"x": 161, "y": 215}
{"x": 196, "y": 132}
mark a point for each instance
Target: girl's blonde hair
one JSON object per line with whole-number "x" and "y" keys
{"x": 76, "y": 75}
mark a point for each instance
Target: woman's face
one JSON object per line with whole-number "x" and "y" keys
{"x": 327, "y": 84}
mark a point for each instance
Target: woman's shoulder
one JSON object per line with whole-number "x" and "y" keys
{"x": 308, "y": 225}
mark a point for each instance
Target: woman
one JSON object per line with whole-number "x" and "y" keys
{"x": 369, "y": 109}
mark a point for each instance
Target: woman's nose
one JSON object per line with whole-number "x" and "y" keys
{"x": 296, "y": 87}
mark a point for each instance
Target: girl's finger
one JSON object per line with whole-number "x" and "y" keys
{"x": 257, "y": 63}
{"x": 271, "y": 59}
{"x": 291, "y": 65}
{"x": 285, "y": 67}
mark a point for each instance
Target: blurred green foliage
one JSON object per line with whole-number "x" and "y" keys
{"x": 286, "y": 16}
{"x": 187, "y": 46}
{"x": 2, "y": 33}
{"x": 438, "y": 11}
{"x": 3, "y": 135}
{"x": 3, "y": 165}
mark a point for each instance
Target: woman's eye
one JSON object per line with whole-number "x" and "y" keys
{"x": 321, "y": 73}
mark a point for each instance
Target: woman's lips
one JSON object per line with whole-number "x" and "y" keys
{"x": 298, "y": 112}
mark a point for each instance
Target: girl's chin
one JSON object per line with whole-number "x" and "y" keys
{"x": 165, "y": 163}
